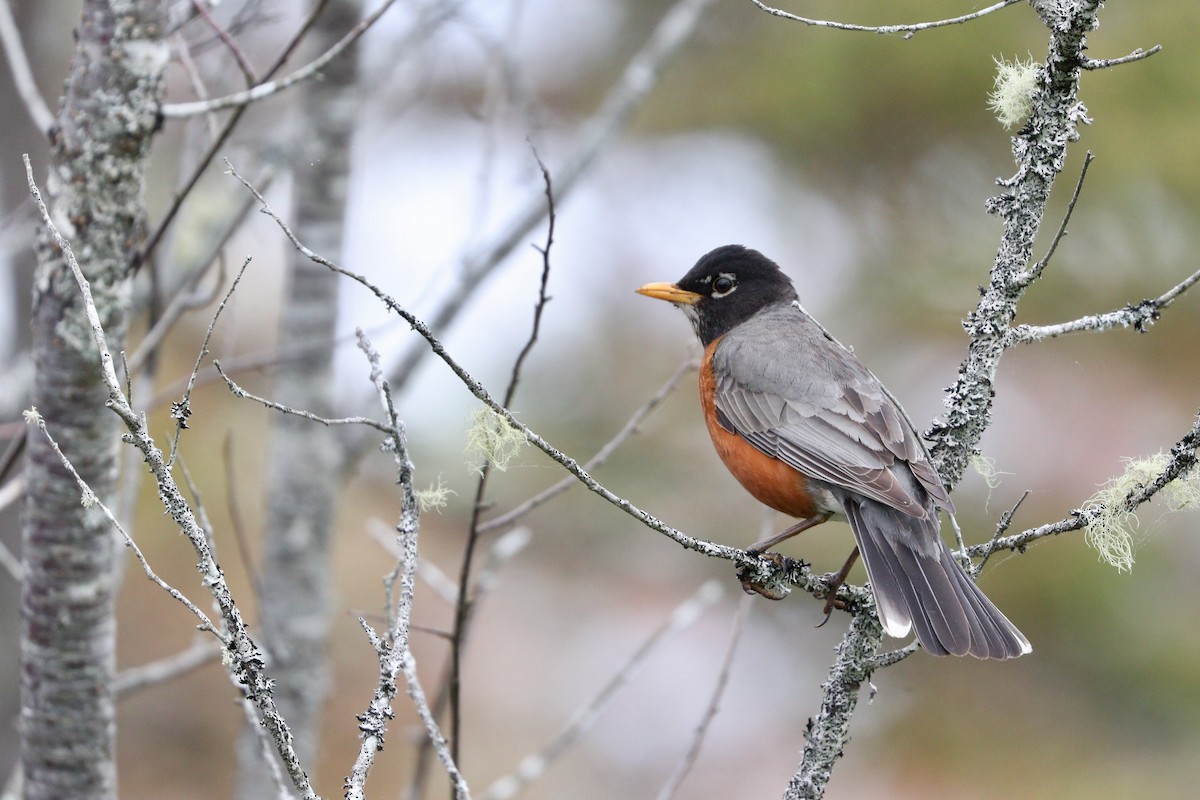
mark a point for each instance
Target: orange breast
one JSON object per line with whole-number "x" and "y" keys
{"x": 768, "y": 479}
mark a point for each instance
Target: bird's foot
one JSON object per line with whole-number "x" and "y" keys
{"x": 833, "y": 581}
{"x": 769, "y": 585}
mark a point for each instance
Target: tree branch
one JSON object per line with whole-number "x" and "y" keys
{"x": 31, "y": 96}
{"x": 1039, "y": 150}
{"x": 1139, "y": 316}
{"x": 1105, "y": 63}
{"x": 264, "y": 90}
{"x": 908, "y": 29}
{"x": 395, "y": 654}
{"x": 1182, "y": 461}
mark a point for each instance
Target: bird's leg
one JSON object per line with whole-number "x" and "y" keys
{"x": 833, "y": 582}
{"x": 802, "y": 525}
{"x": 753, "y": 586}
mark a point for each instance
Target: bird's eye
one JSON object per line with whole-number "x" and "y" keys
{"x": 723, "y": 285}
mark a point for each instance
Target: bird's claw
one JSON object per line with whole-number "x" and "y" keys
{"x": 752, "y": 582}
{"x": 833, "y": 581}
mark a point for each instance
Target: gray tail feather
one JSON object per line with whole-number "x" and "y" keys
{"x": 918, "y": 584}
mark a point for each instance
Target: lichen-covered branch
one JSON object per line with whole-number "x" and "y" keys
{"x": 829, "y": 730}
{"x": 395, "y": 656}
{"x": 1039, "y": 149}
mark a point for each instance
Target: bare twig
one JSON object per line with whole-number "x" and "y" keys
{"x": 182, "y": 409}
{"x": 1139, "y": 316}
{"x": 222, "y": 34}
{"x": 1031, "y": 275}
{"x": 153, "y": 240}
{"x": 31, "y": 96}
{"x": 462, "y": 609}
{"x": 1105, "y": 63}
{"x": 693, "y": 752}
{"x": 1001, "y": 528}
{"x": 186, "y": 296}
{"x": 264, "y": 743}
{"x": 262, "y": 90}
{"x": 132, "y": 679}
{"x": 535, "y": 764}
{"x": 908, "y": 29}
{"x": 238, "y": 391}
{"x": 92, "y": 501}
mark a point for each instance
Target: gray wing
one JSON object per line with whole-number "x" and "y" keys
{"x": 788, "y": 388}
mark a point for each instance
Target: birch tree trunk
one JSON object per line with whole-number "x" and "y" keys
{"x": 95, "y": 188}
{"x": 295, "y": 570}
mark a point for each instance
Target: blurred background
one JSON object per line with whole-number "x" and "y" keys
{"x": 861, "y": 163}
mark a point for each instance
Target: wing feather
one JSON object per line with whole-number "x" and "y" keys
{"x": 793, "y": 392}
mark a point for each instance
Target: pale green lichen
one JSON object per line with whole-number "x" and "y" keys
{"x": 1012, "y": 100}
{"x": 491, "y": 440}
{"x": 986, "y": 467}
{"x": 1112, "y": 533}
{"x": 434, "y": 498}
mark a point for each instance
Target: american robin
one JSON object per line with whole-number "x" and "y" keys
{"x": 808, "y": 430}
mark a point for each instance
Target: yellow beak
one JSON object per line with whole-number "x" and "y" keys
{"x": 671, "y": 293}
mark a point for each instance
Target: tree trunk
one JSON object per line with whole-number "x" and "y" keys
{"x": 95, "y": 191}
{"x": 294, "y": 574}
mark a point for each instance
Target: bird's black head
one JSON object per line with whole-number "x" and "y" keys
{"x": 725, "y": 288}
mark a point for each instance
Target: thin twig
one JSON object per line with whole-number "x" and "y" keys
{"x": 222, "y": 34}
{"x": 132, "y": 679}
{"x": 710, "y": 712}
{"x": 639, "y": 77}
{"x": 462, "y": 609}
{"x": 1001, "y": 528}
{"x": 395, "y": 654}
{"x": 91, "y": 500}
{"x": 153, "y": 240}
{"x": 1029, "y": 276}
{"x": 1183, "y": 460}
{"x": 1105, "y": 63}
{"x": 1139, "y": 316}
{"x": 238, "y": 391}
{"x": 263, "y": 90}
{"x": 182, "y": 409}
{"x": 632, "y": 425}
{"x": 909, "y": 29}
{"x": 233, "y": 505}
{"x": 534, "y": 765}
{"x": 186, "y": 297}
{"x": 22, "y": 74}
{"x": 542, "y": 298}
{"x": 264, "y": 744}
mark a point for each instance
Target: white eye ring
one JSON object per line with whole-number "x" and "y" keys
{"x": 725, "y": 284}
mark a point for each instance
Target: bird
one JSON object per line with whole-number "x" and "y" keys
{"x": 809, "y": 431}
